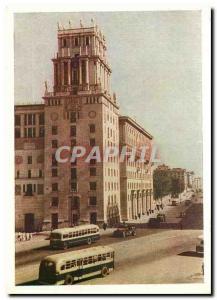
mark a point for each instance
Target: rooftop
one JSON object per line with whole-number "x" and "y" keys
{"x": 136, "y": 125}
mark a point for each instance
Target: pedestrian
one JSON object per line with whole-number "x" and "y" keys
{"x": 104, "y": 226}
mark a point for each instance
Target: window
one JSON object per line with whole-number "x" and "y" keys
{"x": 41, "y": 131}
{"x": 18, "y": 174}
{"x": 92, "y": 128}
{"x": 54, "y": 187}
{"x": 64, "y": 43}
{"x": 54, "y": 172}
{"x": 54, "y": 202}
{"x": 73, "y": 173}
{"x": 76, "y": 41}
{"x": 92, "y": 186}
{"x": 73, "y": 117}
{"x": 54, "y": 144}
{"x": 92, "y": 201}
{"x": 65, "y": 66}
{"x": 54, "y": 130}
{"x": 74, "y": 186}
{"x": 54, "y": 161}
{"x": 17, "y": 120}
{"x": 92, "y": 142}
{"x": 29, "y": 160}
{"x": 17, "y": 133}
{"x": 87, "y": 41}
{"x": 92, "y": 161}
{"x": 40, "y": 173}
{"x": 92, "y": 171}
{"x": 75, "y": 202}
{"x": 29, "y": 119}
{"x": 73, "y": 131}
{"x": 29, "y": 174}
{"x": 29, "y": 190}
{"x": 40, "y": 189}
{"x": 17, "y": 189}
{"x": 41, "y": 119}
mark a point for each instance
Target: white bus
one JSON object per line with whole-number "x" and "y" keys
{"x": 67, "y": 267}
{"x": 67, "y": 237}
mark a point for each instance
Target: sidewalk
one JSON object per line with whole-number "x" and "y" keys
{"x": 41, "y": 240}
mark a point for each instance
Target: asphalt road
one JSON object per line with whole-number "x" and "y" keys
{"x": 153, "y": 256}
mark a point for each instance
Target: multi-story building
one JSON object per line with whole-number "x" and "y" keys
{"x": 80, "y": 110}
{"x": 29, "y": 166}
{"x": 198, "y": 183}
{"x": 136, "y": 177}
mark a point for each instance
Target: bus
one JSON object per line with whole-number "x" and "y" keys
{"x": 68, "y": 267}
{"x": 67, "y": 237}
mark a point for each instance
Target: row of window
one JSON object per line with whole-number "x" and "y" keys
{"x": 29, "y": 119}
{"x": 87, "y": 260}
{"x": 111, "y": 186}
{"x": 74, "y": 202}
{"x": 75, "y": 41}
{"x": 29, "y": 189}
{"x": 29, "y": 132}
{"x": 29, "y": 174}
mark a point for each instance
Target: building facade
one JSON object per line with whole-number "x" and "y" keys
{"x": 80, "y": 110}
{"x": 136, "y": 177}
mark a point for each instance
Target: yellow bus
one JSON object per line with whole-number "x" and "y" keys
{"x": 68, "y": 267}
{"x": 67, "y": 237}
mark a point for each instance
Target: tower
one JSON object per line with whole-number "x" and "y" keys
{"x": 80, "y": 111}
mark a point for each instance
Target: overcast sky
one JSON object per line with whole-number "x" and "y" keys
{"x": 156, "y": 71}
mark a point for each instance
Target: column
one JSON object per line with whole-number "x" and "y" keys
{"x": 69, "y": 72}
{"x": 87, "y": 71}
{"x": 62, "y": 73}
{"x": 80, "y": 72}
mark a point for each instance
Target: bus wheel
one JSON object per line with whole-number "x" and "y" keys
{"x": 69, "y": 280}
{"x": 89, "y": 241}
{"x": 104, "y": 271}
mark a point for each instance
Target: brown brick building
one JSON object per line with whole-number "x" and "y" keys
{"x": 79, "y": 111}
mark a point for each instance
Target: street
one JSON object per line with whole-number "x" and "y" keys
{"x": 153, "y": 256}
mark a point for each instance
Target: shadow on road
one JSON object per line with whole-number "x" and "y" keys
{"x": 191, "y": 253}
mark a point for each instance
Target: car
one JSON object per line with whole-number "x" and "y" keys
{"x": 199, "y": 246}
{"x": 161, "y": 217}
{"x": 187, "y": 202}
{"x": 153, "y": 223}
{"x": 124, "y": 231}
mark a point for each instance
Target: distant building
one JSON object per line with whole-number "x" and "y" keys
{"x": 198, "y": 183}
{"x": 135, "y": 177}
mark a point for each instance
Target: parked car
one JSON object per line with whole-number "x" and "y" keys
{"x": 187, "y": 202}
{"x": 199, "y": 246}
{"x": 161, "y": 217}
{"x": 153, "y": 223}
{"x": 174, "y": 203}
{"x": 124, "y": 230}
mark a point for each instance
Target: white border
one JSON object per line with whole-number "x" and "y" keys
{"x": 8, "y": 154}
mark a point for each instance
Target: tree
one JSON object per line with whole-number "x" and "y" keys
{"x": 161, "y": 183}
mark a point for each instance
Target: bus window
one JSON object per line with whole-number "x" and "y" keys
{"x": 79, "y": 233}
{"x": 68, "y": 265}
{"x": 90, "y": 260}
{"x": 108, "y": 254}
{"x": 95, "y": 258}
{"x": 103, "y": 256}
{"x": 85, "y": 261}
{"x": 62, "y": 267}
{"x": 88, "y": 231}
{"x": 76, "y": 233}
{"x": 99, "y": 257}
{"x": 79, "y": 262}
{"x": 65, "y": 236}
{"x": 70, "y": 235}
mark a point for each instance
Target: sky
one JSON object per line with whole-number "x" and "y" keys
{"x": 156, "y": 71}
